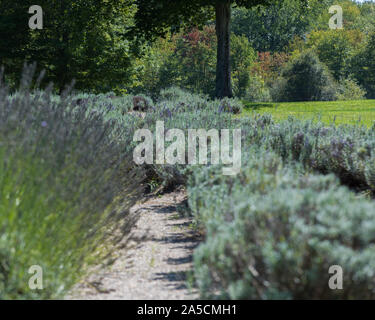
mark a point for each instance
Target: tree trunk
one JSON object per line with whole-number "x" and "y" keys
{"x": 223, "y": 76}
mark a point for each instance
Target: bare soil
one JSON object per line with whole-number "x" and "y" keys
{"x": 157, "y": 263}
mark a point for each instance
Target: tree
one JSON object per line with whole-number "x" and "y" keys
{"x": 191, "y": 65}
{"x": 305, "y": 78}
{"x": 363, "y": 66}
{"x": 335, "y": 48}
{"x": 351, "y": 14}
{"x": 271, "y": 28}
{"x": 14, "y": 34}
{"x": 187, "y": 59}
{"x": 155, "y": 17}
{"x": 243, "y": 58}
{"x": 366, "y": 21}
{"x": 81, "y": 40}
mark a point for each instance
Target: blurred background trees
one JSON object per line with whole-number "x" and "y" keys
{"x": 93, "y": 42}
{"x": 81, "y": 40}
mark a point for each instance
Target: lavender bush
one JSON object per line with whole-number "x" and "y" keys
{"x": 347, "y": 151}
{"x": 65, "y": 170}
{"x": 274, "y": 231}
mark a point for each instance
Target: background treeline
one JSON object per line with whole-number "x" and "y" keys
{"x": 280, "y": 53}
{"x": 81, "y": 40}
{"x": 92, "y": 42}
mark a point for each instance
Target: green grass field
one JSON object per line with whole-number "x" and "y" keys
{"x": 361, "y": 112}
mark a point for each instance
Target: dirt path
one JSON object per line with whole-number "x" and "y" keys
{"x": 156, "y": 265}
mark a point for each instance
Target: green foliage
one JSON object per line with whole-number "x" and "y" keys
{"x": 14, "y": 33}
{"x": 351, "y": 17}
{"x": 269, "y": 65}
{"x": 81, "y": 40}
{"x": 243, "y": 57}
{"x": 66, "y": 185}
{"x": 363, "y": 66}
{"x": 271, "y": 28}
{"x": 188, "y": 60}
{"x": 156, "y": 17}
{"x": 257, "y": 90}
{"x": 192, "y": 65}
{"x": 266, "y": 70}
{"x": 149, "y": 67}
{"x": 366, "y": 21}
{"x": 305, "y": 78}
{"x": 350, "y": 90}
{"x": 335, "y": 48}
{"x": 272, "y": 233}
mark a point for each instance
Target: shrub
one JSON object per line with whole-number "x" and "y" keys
{"x": 273, "y": 233}
{"x": 187, "y": 111}
{"x": 176, "y": 99}
{"x": 305, "y": 78}
{"x": 178, "y": 96}
{"x": 269, "y": 65}
{"x": 243, "y": 58}
{"x": 231, "y": 105}
{"x": 349, "y": 89}
{"x": 346, "y": 151}
{"x": 257, "y": 90}
{"x": 64, "y": 167}
{"x": 317, "y": 147}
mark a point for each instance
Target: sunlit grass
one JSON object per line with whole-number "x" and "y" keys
{"x": 361, "y": 112}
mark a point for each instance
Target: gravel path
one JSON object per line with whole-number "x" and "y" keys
{"x": 157, "y": 263}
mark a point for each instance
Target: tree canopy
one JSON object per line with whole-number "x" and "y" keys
{"x": 272, "y": 28}
{"x": 81, "y": 40}
{"x": 156, "y": 17}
